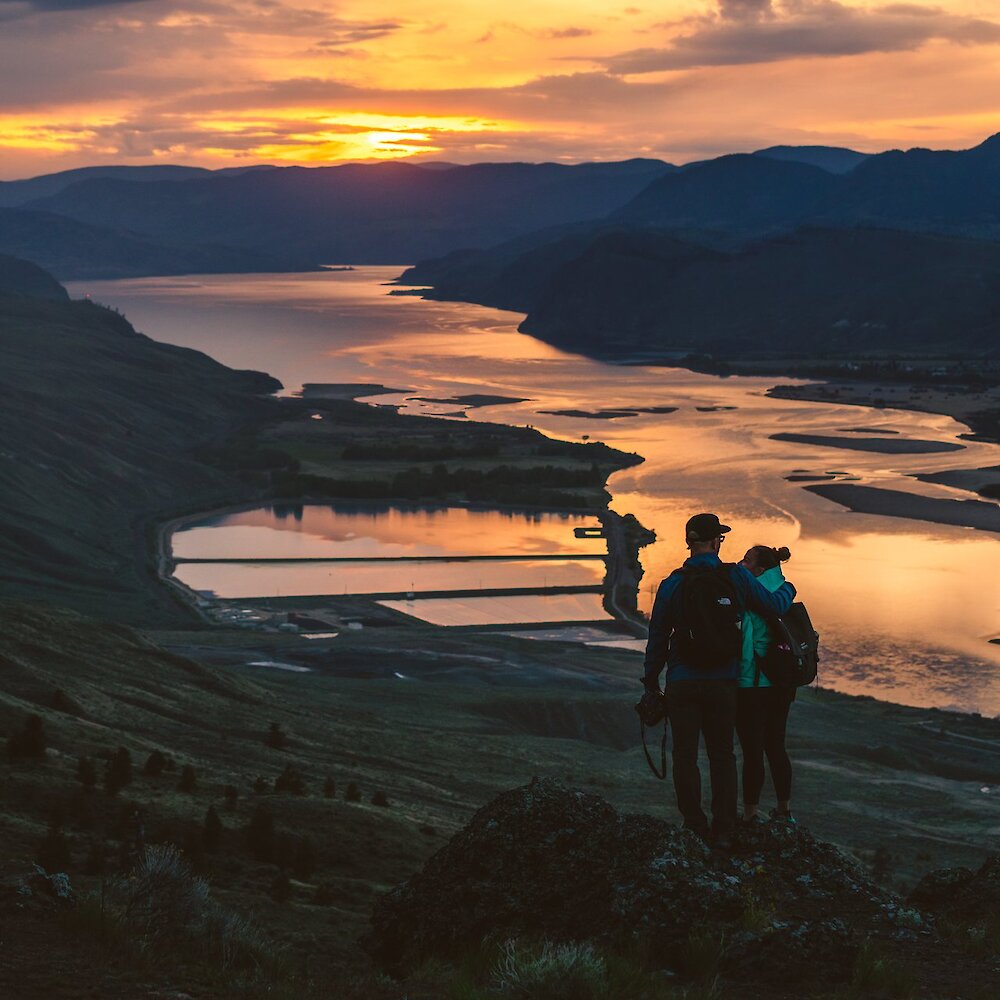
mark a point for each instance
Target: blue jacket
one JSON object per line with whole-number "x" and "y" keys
{"x": 757, "y": 635}
{"x": 662, "y": 645}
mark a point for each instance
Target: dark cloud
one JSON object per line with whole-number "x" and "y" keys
{"x": 37, "y": 5}
{"x": 745, "y": 10}
{"x": 545, "y": 99}
{"x": 554, "y": 34}
{"x": 754, "y": 31}
{"x": 567, "y": 33}
{"x": 348, "y": 31}
{"x": 13, "y": 10}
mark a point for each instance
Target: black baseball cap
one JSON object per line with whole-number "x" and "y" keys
{"x": 705, "y": 527}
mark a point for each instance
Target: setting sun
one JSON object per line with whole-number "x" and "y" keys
{"x": 289, "y": 82}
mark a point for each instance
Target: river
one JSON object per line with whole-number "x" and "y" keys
{"x": 905, "y": 608}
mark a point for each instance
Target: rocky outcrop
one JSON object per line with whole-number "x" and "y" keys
{"x": 960, "y": 894}
{"x": 545, "y": 862}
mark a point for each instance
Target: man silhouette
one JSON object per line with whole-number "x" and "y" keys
{"x": 694, "y": 631}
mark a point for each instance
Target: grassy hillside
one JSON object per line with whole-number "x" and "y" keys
{"x": 98, "y": 432}
{"x": 22, "y": 277}
{"x": 899, "y": 787}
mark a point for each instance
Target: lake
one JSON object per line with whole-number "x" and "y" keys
{"x": 905, "y": 607}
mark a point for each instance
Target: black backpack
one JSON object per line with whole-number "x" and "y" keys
{"x": 792, "y": 656}
{"x": 710, "y": 633}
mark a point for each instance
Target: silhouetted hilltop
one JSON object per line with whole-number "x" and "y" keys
{"x": 949, "y": 192}
{"x": 21, "y": 277}
{"x": 373, "y": 213}
{"x": 856, "y": 291}
{"x": 741, "y": 193}
{"x": 77, "y": 250}
{"x": 834, "y": 159}
{"x": 943, "y": 191}
{"x": 14, "y": 193}
{"x": 174, "y": 219}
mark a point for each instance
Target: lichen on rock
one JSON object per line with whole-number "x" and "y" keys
{"x": 548, "y": 863}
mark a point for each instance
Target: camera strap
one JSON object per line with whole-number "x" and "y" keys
{"x": 660, "y": 772}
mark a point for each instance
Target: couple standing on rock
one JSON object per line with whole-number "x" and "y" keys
{"x": 708, "y": 628}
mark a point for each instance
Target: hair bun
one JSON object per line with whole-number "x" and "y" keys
{"x": 783, "y": 554}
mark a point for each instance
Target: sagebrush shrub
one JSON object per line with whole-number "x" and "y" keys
{"x": 550, "y": 972}
{"x": 162, "y": 906}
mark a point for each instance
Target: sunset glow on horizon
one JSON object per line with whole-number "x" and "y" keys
{"x": 220, "y": 83}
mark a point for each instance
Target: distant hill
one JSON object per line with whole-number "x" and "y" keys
{"x": 818, "y": 291}
{"x": 169, "y": 220}
{"x": 21, "y": 277}
{"x": 834, "y": 159}
{"x": 15, "y": 193}
{"x": 741, "y": 193}
{"x": 77, "y": 250}
{"x": 923, "y": 190}
{"x": 955, "y": 193}
{"x": 374, "y": 213}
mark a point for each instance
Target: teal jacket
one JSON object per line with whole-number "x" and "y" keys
{"x": 756, "y": 634}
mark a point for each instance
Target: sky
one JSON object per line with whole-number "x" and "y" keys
{"x": 221, "y": 83}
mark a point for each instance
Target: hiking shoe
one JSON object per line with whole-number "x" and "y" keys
{"x": 755, "y": 820}
{"x": 778, "y": 816}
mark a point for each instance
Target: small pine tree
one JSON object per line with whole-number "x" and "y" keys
{"x": 86, "y": 773}
{"x": 155, "y": 765}
{"x": 330, "y": 788}
{"x": 232, "y": 796}
{"x": 353, "y": 793}
{"x": 62, "y": 702}
{"x": 290, "y": 782}
{"x": 30, "y": 741}
{"x": 259, "y": 834}
{"x": 189, "y": 780}
{"x": 53, "y": 852}
{"x": 118, "y": 773}
{"x": 380, "y": 799}
{"x": 213, "y": 830}
{"x": 276, "y": 738}
{"x": 260, "y": 786}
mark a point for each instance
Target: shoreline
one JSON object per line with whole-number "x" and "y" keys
{"x": 624, "y": 574}
{"x": 623, "y": 534}
{"x": 978, "y": 410}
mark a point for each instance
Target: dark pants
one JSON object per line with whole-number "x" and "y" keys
{"x": 704, "y": 708}
{"x": 761, "y": 715}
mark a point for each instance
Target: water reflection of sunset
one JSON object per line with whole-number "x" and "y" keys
{"x": 382, "y": 531}
{"x": 885, "y": 590}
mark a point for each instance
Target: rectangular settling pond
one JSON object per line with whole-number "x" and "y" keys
{"x": 503, "y": 610}
{"x": 276, "y": 579}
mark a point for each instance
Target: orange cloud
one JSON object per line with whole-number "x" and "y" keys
{"x": 213, "y": 81}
